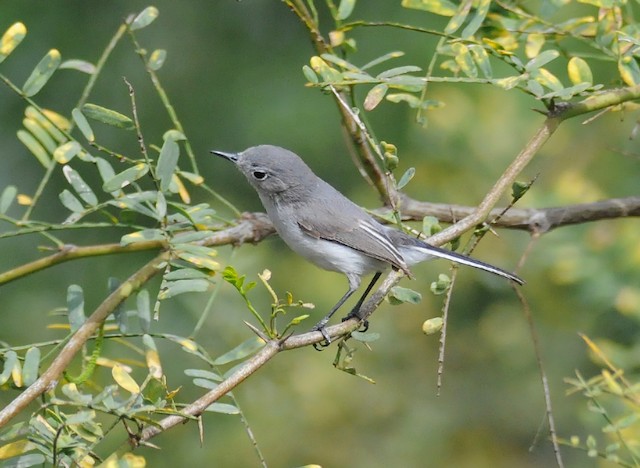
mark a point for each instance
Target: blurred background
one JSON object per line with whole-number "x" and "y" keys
{"x": 233, "y": 73}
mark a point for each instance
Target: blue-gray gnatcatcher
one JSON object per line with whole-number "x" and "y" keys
{"x": 328, "y": 229}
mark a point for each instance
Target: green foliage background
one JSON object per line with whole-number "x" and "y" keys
{"x": 233, "y": 72}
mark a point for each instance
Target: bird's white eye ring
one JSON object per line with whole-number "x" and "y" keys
{"x": 259, "y": 175}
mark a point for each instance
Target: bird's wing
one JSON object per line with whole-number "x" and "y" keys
{"x": 346, "y": 223}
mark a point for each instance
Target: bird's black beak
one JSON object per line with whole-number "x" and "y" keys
{"x": 233, "y": 157}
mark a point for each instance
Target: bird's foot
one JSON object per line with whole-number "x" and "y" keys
{"x": 355, "y": 314}
{"x": 320, "y": 326}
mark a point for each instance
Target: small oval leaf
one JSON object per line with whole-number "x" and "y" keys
{"x": 144, "y": 18}
{"x": 167, "y": 162}
{"x": 123, "y": 379}
{"x": 125, "y": 177}
{"x": 374, "y": 96}
{"x": 579, "y": 71}
{"x": 66, "y": 152}
{"x": 41, "y": 74}
{"x": 31, "y": 365}
{"x": 107, "y": 116}
{"x": 83, "y": 124}
{"x": 11, "y": 39}
{"x": 156, "y": 59}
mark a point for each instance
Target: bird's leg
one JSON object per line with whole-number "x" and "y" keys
{"x": 322, "y": 323}
{"x": 355, "y": 312}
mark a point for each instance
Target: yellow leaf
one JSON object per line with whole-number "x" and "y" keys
{"x": 123, "y": 379}
{"x": 182, "y": 190}
{"x": 60, "y": 121}
{"x": 188, "y": 344}
{"x": 16, "y": 374}
{"x": 535, "y": 42}
{"x": 16, "y": 448}
{"x": 579, "y": 71}
{"x": 24, "y": 200}
{"x": 11, "y": 39}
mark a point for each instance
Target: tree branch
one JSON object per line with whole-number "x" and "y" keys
{"x": 49, "y": 377}
{"x": 534, "y": 220}
{"x": 252, "y": 227}
{"x": 268, "y": 352}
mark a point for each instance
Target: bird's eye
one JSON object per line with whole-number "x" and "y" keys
{"x": 259, "y": 175}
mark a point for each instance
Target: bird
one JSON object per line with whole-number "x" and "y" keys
{"x": 322, "y": 225}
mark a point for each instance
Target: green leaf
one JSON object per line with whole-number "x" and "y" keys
{"x": 345, "y": 9}
{"x": 365, "y": 337}
{"x": 107, "y": 116}
{"x": 340, "y": 62}
{"x": 167, "y": 162}
{"x": 175, "y": 288}
{"x": 144, "y": 18}
{"x": 156, "y": 59}
{"x": 70, "y": 201}
{"x": 81, "y": 417}
{"x": 398, "y": 71}
{"x": 241, "y": 351}
{"x": 375, "y": 96}
{"x": 400, "y": 295}
{"x": 383, "y": 58}
{"x": 83, "y": 124}
{"x": 143, "y": 307}
{"x": 66, "y": 152}
{"x": 35, "y": 147}
{"x": 406, "y": 177}
{"x": 203, "y": 374}
{"x": 431, "y": 225}
{"x": 41, "y": 74}
{"x": 79, "y": 65}
{"x": 439, "y": 7}
{"x": 629, "y": 70}
{"x": 125, "y": 178}
{"x": 105, "y": 170}
{"x": 200, "y": 256}
{"x": 75, "y": 306}
{"x": 205, "y": 383}
{"x": 541, "y": 59}
{"x": 185, "y": 273}
{"x": 309, "y": 74}
{"x": 142, "y": 236}
{"x": 224, "y": 408}
{"x": 7, "y": 197}
{"x": 38, "y": 131}
{"x": 482, "y": 8}
{"x": 481, "y": 58}
{"x": 80, "y": 186}
{"x": 461, "y": 15}
{"x": 464, "y": 59}
{"x": 518, "y": 189}
{"x": 441, "y": 286}
{"x": 548, "y": 79}
{"x": 10, "y": 359}
{"x": 31, "y": 365}
{"x": 11, "y": 39}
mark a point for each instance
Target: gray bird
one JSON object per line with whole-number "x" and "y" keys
{"x": 325, "y": 227}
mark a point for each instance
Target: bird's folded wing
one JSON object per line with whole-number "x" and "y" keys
{"x": 361, "y": 233}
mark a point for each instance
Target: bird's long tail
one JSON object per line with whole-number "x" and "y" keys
{"x": 432, "y": 251}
